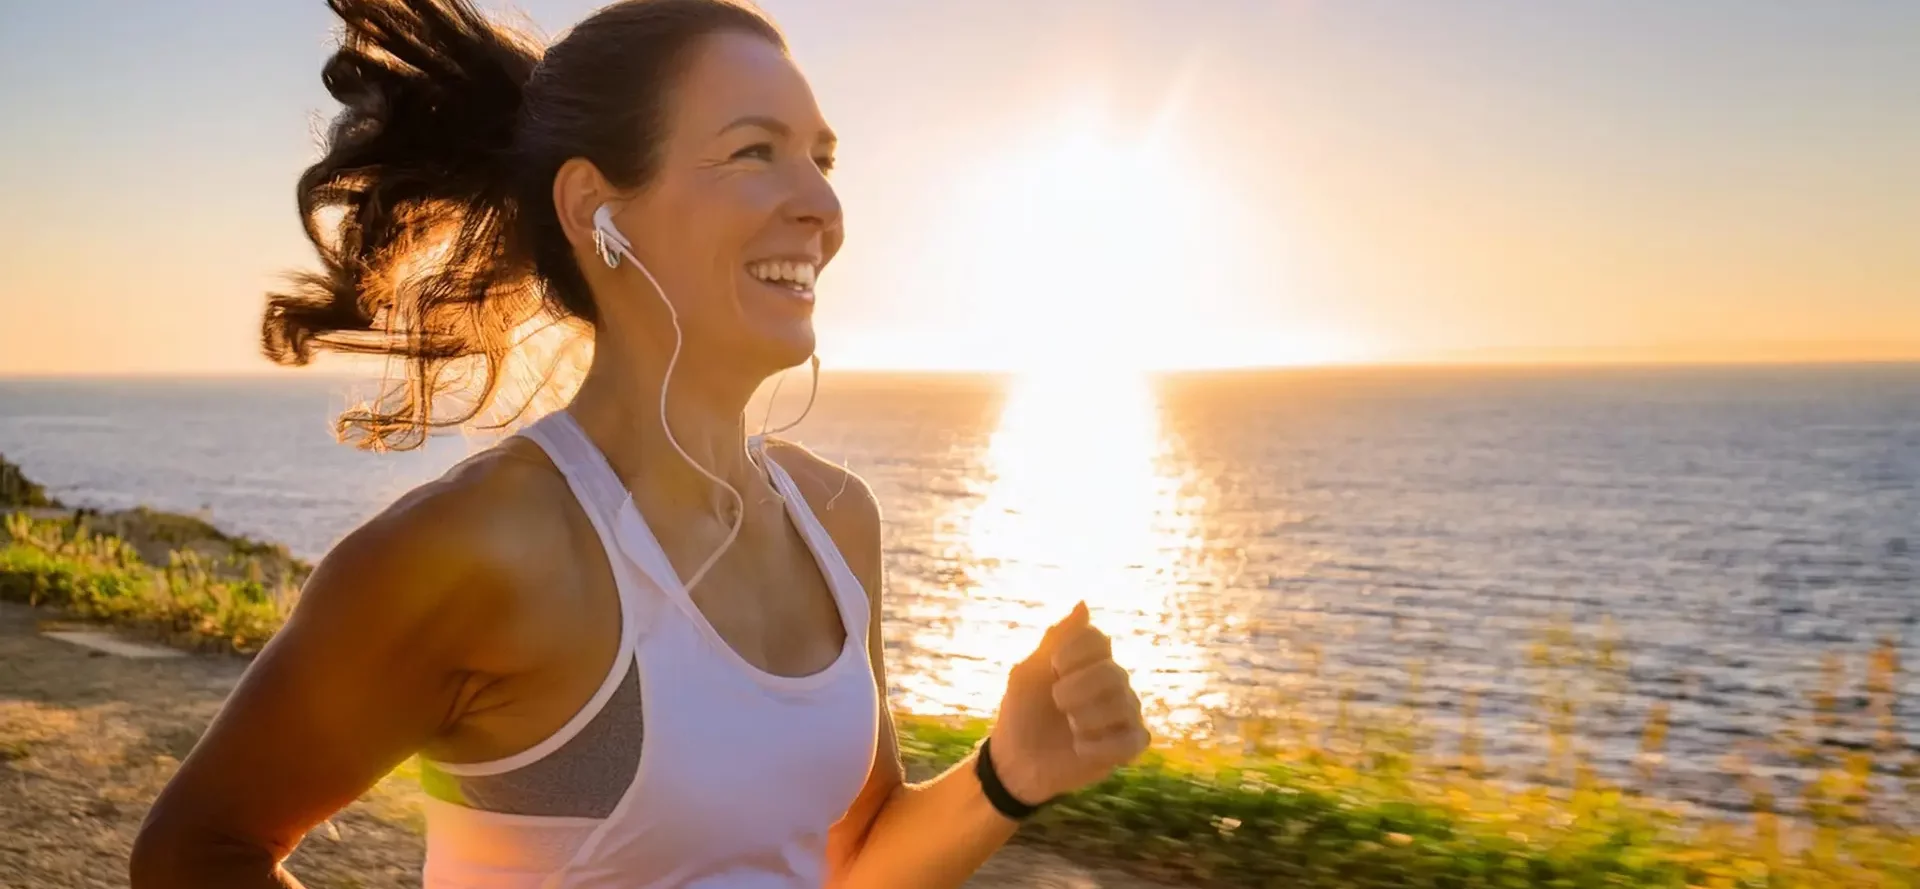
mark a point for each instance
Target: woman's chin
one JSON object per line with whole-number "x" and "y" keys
{"x": 787, "y": 347}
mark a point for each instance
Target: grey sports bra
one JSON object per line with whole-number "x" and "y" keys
{"x": 582, "y": 778}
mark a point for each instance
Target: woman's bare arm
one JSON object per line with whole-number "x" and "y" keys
{"x": 371, "y": 666}
{"x": 936, "y": 834}
{"x": 970, "y": 830}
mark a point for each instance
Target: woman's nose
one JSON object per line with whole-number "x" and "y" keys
{"x": 815, "y": 203}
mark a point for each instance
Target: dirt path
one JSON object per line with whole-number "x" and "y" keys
{"x": 86, "y": 740}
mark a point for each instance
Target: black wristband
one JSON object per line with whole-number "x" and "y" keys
{"x": 1003, "y": 800}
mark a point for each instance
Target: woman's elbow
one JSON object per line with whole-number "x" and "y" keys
{"x": 156, "y": 857}
{"x": 170, "y": 853}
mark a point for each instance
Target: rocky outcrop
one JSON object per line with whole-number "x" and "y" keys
{"x": 155, "y": 535}
{"x": 18, "y": 492}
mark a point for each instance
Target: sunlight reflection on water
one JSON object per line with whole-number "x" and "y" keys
{"x": 1079, "y": 503}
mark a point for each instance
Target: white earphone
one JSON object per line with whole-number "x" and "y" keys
{"x": 610, "y": 243}
{"x": 612, "y": 246}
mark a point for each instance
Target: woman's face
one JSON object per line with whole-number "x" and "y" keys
{"x": 739, "y": 218}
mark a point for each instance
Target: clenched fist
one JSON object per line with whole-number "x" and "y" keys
{"x": 1070, "y": 715}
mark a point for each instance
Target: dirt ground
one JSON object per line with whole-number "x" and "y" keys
{"x": 87, "y": 740}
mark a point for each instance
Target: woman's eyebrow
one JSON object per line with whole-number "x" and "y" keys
{"x": 776, "y": 127}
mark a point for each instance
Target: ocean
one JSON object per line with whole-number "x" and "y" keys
{"x": 1712, "y": 544}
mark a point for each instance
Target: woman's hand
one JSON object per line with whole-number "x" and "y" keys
{"x": 1070, "y": 715}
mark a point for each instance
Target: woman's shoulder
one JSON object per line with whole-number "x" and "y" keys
{"x": 501, "y": 504}
{"x": 476, "y": 533}
{"x": 841, "y": 500}
{"x": 828, "y": 486}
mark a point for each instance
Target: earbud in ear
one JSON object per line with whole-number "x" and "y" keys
{"x": 607, "y": 239}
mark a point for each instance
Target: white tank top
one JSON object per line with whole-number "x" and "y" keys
{"x": 741, "y": 772}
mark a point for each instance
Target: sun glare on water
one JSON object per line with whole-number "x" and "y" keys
{"x": 1092, "y": 259}
{"x": 1079, "y": 506}
{"x": 1084, "y": 259}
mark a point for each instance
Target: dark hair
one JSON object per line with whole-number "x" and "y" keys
{"x": 432, "y": 206}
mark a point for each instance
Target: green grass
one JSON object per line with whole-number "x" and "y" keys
{"x": 192, "y": 600}
{"x": 1281, "y": 818}
{"x": 1360, "y": 806}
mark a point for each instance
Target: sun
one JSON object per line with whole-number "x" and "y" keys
{"x": 1090, "y": 246}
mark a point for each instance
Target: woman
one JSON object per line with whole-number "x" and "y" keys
{"x": 587, "y": 717}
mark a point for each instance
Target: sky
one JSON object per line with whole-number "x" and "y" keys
{"x": 1110, "y": 182}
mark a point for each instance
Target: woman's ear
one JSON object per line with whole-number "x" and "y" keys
{"x": 578, "y": 190}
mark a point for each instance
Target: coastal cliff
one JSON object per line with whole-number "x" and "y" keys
{"x": 18, "y": 492}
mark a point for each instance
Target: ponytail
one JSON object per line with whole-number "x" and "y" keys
{"x": 411, "y": 210}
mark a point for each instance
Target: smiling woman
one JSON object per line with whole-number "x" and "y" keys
{"x": 631, "y": 646}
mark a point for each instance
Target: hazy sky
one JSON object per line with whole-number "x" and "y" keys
{"x": 1144, "y": 183}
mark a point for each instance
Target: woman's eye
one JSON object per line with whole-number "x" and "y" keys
{"x": 825, "y": 163}
{"x": 757, "y": 151}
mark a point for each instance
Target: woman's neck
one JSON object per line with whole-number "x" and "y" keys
{"x": 619, "y": 407}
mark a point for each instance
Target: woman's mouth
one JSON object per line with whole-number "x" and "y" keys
{"x": 795, "y": 276}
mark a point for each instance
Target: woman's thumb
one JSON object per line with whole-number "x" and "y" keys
{"x": 1074, "y": 620}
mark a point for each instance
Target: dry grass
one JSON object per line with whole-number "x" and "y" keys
{"x": 87, "y": 740}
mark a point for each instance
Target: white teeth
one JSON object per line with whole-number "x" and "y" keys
{"x": 795, "y": 275}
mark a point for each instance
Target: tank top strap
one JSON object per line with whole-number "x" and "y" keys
{"x": 847, "y": 589}
{"x": 604, "y": 498}
{"x": 579, "y": 459}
